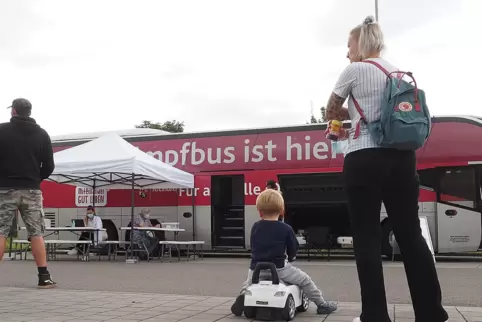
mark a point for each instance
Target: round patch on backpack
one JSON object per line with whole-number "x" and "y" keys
{"x": 405, "y": 107}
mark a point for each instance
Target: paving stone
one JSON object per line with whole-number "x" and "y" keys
{"x": 27, "y": 305}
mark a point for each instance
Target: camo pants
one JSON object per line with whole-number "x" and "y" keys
{"x": 29, "y": 204}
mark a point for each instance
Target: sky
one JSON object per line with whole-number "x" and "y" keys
{"x": 90, "y": 65}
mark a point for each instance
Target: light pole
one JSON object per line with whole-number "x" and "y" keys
{"x": 376, "y": 10}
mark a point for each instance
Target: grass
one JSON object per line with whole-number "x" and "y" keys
{"x": 15, "y": 246}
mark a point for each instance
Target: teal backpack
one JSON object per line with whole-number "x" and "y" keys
{"x": 405, "y": 121}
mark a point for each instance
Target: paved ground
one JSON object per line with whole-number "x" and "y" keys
{"x": 29, "y": 305}
{"x": 461, "y": 282}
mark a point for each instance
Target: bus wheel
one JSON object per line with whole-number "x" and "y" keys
{"x": 387, "y": 235}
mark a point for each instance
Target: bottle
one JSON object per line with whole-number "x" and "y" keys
{"x": 334, "y": 130}
{"x": 73, "y": 222}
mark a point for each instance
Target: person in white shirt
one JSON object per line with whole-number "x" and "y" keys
{"x": 90, "y": 220}
{"x": 374, "y": 175}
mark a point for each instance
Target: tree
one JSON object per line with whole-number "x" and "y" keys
{"x": 168, "y": 126}
{"x": 314, "y": 120}
{"x": 323, "y": 114}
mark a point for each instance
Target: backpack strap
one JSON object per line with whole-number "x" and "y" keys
{"x": 355, "y": 102}
{"x": 399, "y": 75}
{"x": 360, "y": 111}
{"x": 380, "y": 67}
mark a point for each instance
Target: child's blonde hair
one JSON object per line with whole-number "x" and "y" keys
{"x": 270, "y": 202}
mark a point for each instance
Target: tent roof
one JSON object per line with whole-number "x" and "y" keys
{"x": 111, "y": 162}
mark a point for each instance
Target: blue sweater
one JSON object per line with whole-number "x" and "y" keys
{"x": 272, "y": 241}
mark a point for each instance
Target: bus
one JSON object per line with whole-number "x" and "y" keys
{"x": 231, "y": 168}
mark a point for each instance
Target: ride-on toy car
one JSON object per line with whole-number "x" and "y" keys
{"x": 272, "y": 299}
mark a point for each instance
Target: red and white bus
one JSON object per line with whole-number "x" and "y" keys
{"x": 232, "y": 167}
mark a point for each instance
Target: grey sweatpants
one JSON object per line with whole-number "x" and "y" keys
{"x": 294, "y": 276}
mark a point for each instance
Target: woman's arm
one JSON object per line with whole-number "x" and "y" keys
{"x": 335, "y": 109}
{"x": 343, "y": 87}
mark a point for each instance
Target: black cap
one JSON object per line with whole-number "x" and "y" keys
{"x": 22, "y": 106}
{"x": 90, "y": 207}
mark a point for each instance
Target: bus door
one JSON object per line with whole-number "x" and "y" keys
{"x": 227, "y": 211}
{"x": 459, "y": 224}
{"x": 480, "y": 199}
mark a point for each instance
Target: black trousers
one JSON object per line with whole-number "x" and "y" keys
{"x": 373, "y": 176}
{"x": 86, "y": 235}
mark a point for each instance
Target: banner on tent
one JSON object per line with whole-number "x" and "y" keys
{"x": 85, "y": 197}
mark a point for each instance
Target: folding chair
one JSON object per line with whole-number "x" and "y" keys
{"x": 318, "y": 238}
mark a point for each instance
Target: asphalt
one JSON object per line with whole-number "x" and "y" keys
{"x": 461, "y": 282}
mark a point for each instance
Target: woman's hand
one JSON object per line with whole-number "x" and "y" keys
{"x": 344, "y": 134}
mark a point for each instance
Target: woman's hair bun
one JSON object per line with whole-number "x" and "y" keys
{"x": 369, "y": 20}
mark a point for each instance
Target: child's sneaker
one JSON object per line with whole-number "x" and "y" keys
{"x": 238, "y": 307}
{"x": 45, "y": 281}
{"x": 326, "y": 308}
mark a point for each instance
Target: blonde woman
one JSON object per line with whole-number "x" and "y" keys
{"x": 374, "y": 175}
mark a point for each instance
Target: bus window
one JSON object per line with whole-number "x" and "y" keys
{"x": 458, "y": 186}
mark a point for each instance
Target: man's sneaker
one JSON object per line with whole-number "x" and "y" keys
{"x": 238, "y": 307}
{"x": 45, "y": 281}
{"x": 72, "y": 252}
{"x": 326, "y": 308}
{"x": 356, "y": 320}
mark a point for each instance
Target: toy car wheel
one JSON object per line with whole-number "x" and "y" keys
{"x": 305, "y": 303}
{"x": 250, "y": 312}
{"x": 289, "y": 311}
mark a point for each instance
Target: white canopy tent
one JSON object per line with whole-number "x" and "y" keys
{"x": 111, "y": 162}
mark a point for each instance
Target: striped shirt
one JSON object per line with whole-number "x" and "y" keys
{"x": 367, "y": 84}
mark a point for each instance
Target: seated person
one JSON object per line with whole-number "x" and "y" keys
{"x": 90, "y": 220}
{"x": 146, "y": 237}
{"x": 271, "y": 240}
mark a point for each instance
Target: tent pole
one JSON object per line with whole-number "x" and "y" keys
{"x": 93, "y": 195}
{"x": 193, "y": 216}
{"x": 132, "y": 215}
{"x": 95, "y": 212}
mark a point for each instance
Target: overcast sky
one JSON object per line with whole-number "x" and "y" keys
{"x": 92, "y": 65}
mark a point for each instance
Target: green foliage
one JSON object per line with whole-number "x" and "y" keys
{"x": 168, "y": 126}
{"x": 314, "y": 120}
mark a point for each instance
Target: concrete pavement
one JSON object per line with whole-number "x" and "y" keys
{"x": 31, "y": 305}
{"x": 203, "y": 291}
{"x": 461, "y": 282}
